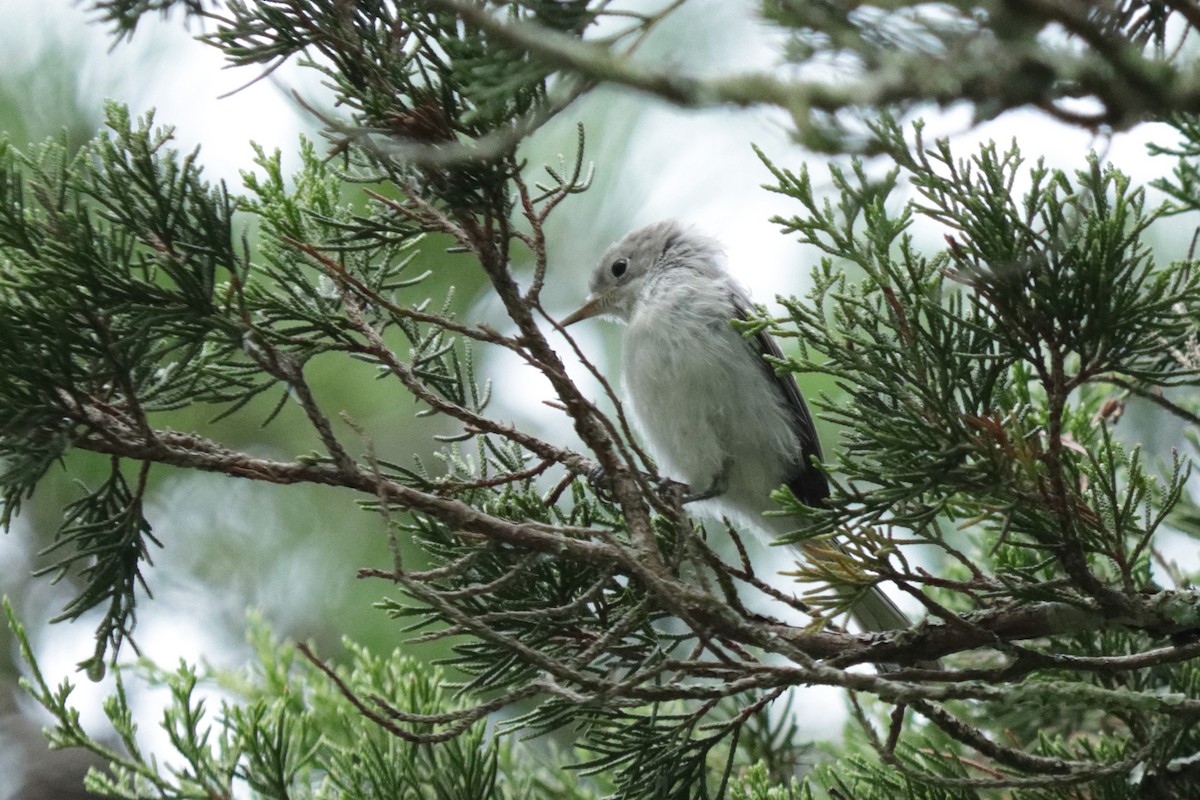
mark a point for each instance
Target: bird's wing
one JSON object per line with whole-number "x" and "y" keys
{"x": 808, "y": 483}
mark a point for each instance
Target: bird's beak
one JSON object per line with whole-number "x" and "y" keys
{"x": 591, "y": 308}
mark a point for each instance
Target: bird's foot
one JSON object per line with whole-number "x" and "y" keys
{"x": 707, "y": 494}
{"x": 597, "y": 478}
{"x": 601, "y": 485}
{"x": 715, "y": 489}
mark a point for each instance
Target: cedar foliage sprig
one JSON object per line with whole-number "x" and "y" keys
{"x": 976, "y": 377}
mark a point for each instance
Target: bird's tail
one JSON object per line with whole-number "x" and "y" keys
{"x": 874, "y": 611}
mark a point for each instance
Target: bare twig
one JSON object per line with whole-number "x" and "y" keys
{"x": 1155, "y": 397}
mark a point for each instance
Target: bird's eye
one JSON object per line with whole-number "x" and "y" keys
{"x": 619, "y": 266}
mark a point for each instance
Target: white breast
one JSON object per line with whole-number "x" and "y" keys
{"x": 702, "y": 398}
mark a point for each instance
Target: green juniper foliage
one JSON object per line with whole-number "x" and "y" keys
{"x": 978, "y": 383}
{"x": 282, "y": 728}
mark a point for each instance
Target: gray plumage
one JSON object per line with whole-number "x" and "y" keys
{"x": 712, "y": 411}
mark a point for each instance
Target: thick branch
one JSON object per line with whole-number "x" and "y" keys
{"x": 1000, "y": 74}
{"x": 923, "y": 643}
{"x": 189, "y": 451}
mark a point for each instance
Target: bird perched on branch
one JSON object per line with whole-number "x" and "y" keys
{"x": 713, "y": 411}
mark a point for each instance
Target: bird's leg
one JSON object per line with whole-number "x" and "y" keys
{"x": 720, "y": 483}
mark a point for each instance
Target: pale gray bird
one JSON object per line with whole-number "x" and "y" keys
{"x": 713, "y": 412}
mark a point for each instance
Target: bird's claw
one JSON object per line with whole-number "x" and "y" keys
{"x": 673, "y": 490}
{"x": 696, "y": 497}
{"x": 715, "y": 489}
{"x": 601, "y": 484}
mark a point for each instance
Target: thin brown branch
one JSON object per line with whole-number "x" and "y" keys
{"x": 194, "y": 452}
{"x": 1154, "y": 397}
{"x": 536, "y": 242}
{"x": 1084, "y": 772}
{"x": 978, "y": 741}
{"x": 338, "y": 273}
{"x": 354, "y": 699}
{"x": 284, "y": 367}
{"x": 928, "y": 642}
{"x": 457, "y": 721}
{"x": 507, "y": 478}
{"x": 379, "y": 350}
{"x": 746, "y": 573}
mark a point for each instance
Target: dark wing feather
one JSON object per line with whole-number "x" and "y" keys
{"x": 807, "y": 483}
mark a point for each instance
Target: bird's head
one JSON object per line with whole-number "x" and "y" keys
{"x": 620, "y": 278}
